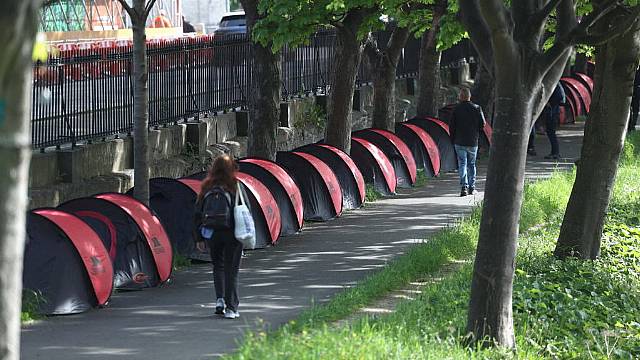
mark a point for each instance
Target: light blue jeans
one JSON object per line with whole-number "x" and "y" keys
{"x": 467, "y": 165}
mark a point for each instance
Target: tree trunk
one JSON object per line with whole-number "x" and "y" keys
{"x": 581, "y": 63}
{"x": 490, "y": 310}
{"x": 384, "y": 80}
{"x": 343, "y": 81}
{"x": 483, "y": 91}
{"x": 429, "y": 69}
{"x": 264, "y": 99}
{"x": 567, "y": 66}
{"x": 605, "y": 130}
{"x": 18, "y": 25}
{"x": 140, "y": 106}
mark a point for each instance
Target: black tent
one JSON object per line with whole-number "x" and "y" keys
{"x": 320, "y": 188}
{"x": 268, "y": 225}
{"x": 374, "y": 165}
{"x": 424, "y": 149}
{"x": 282, "y": 187}
{"x": 139, "y": 247}
{"x": 65, "y": 263}
{"x": 264, "y": 209}
{"x": 166, "y": 195}
{"x": 347, "y": 172}
{"x": 439, "y": 132}
{"x": 397, "y": 152}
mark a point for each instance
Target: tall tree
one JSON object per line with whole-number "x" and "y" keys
{"x": 384, "y": 60}
{"x": 435, "y": 22}
{"x": 604, "y": 135}
{"x": 429, "y": 65}
{"x": 264, "y": 98}
{"x": 291, "y": 22}
{"x": 483, "y": 91}
{"x": 509, "y": 40}
{"x": 139, "y": 12}
{"x": 18, "y": 27}
{"x": 349, "y": 49}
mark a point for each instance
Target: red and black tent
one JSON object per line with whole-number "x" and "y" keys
{"x": 264, "y": 209}
{"x": 439, "y": 132}
{"x": 320, "y": 188}
{"x": 282, "y": 187}
{"x": 270, "y": 218}
{"x": 66, "y": 263}
{"x": 424, "y": 149}
{"x": 397, "y": 152}
{"x": 345, "y": 169}
{"x": 138, "y": 244}
{"x": 585, "y": 80}
{"x": 374, "y": 165}
{"x": 580, "y": 94}
{"x": 166, "y": 195}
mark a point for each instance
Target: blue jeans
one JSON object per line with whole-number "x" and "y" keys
{"x": 553, "y": 118}
{"x": 467, "y": 165}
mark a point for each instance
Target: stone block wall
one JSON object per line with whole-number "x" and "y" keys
{"x": 178, "y": 150}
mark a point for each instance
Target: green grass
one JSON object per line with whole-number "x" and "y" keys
{"x": 568, "y": 309}
{"x": 180, "y": 262}
{"x": 371, "y": 194}
{"x": 31, "y": 301}
{"x": 421, "y": 178}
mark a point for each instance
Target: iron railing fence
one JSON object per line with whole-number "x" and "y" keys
{"x": 85, "y": 92}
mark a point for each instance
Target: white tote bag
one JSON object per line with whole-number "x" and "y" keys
{"x": 245, "y": 230}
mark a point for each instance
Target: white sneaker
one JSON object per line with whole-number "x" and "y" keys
{"x": 220, "y": 306}
{"x": 230, "y": 314}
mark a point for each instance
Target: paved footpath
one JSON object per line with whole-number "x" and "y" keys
{"x": 277, "y": 284}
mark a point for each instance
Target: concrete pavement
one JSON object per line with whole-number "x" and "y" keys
{"x": 277, "y": 284}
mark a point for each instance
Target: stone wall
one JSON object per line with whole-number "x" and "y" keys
{"x": 180, "y": 150}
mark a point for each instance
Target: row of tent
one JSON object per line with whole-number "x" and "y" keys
{"x": 79, "y": 252}
{"x": 578, "y": 91}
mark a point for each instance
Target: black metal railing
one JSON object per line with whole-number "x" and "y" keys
{"x": 85, "y": 92}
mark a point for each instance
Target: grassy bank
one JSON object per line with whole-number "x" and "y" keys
{"x": 562, "y": 309}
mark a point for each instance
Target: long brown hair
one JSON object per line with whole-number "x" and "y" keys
{"x": 222, "y": 173}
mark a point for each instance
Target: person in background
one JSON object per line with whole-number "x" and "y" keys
{"x": 467, "y": 121}
{"x": 553, "y": 120}
{"x": 162, "y": 21}
{"x": 531, "y": 145}
{"x": 187, "y": 27}
{"x": 635, "y": 102}
{"x": 225, "y": 249}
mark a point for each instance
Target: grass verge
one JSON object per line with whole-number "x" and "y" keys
{"x": 562, "y": 309}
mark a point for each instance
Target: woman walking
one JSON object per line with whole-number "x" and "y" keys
{"x": 215, "y": 224}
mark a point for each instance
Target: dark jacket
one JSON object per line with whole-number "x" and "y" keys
{"x": 187, "y": 27}
{"x": 558, "y": 97}
{"x": 467, "y": 121}
{"x": 197, "y": 217}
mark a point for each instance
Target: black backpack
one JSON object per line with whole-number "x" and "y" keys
{"x": 217, "y": 209}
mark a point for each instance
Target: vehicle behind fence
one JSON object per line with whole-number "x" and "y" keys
{"x": 84, "y": 92}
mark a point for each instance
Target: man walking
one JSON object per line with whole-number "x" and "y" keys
{"x": 465, "y": 126}
{"x": 553, "y": 119}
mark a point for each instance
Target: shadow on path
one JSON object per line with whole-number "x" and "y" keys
{"x": 177, "y": 321}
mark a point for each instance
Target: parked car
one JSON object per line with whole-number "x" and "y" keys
{"x": 232, "y": 23}
{"x": 232, "y": 26}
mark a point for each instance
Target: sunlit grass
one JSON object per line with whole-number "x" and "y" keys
{"x": 562, "y": 309}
